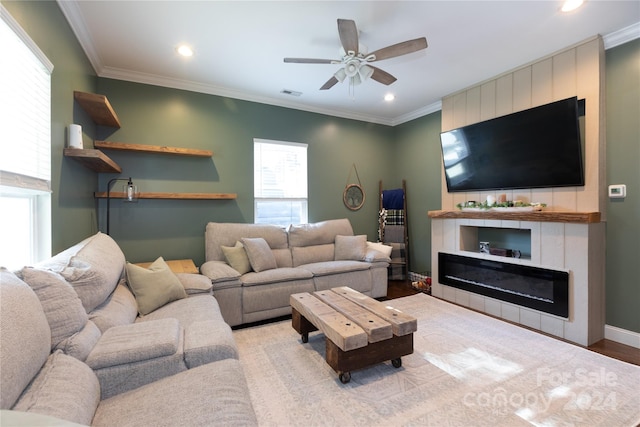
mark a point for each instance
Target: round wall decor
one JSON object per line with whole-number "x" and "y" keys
{"x": 353, "y": 196}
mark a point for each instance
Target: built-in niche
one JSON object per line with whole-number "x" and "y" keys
{"x": 514, "y": 239}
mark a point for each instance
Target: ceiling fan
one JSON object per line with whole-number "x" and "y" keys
{"x": 357, "y": 61}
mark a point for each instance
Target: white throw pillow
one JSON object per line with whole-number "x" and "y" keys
{"x": 380, "y": 247}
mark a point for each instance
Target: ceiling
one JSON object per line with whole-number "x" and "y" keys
{"x": 240, "y": 45}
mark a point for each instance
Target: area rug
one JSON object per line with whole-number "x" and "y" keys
{"x": 467, "y": 369}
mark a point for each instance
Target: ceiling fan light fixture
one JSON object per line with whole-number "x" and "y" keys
{"x": 341, "y": 74}
{"x": 389, "y": 97}
{"x": 365, "y": 72}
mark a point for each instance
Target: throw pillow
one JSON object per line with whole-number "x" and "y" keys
{"x": 155, "y": 286}
{"x": 260, "y": 256}
{"x": 380, "y": 247}
{"x": 237, "y": 258}
{"x": 351, "y": 247}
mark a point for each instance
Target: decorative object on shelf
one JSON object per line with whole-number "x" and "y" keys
{"x": 353, "y": 195}
{"x": 485, "y": 247}
{"x": 492, "y": 205}
{"x": 131, "y": 194}
{"x": 75, "y": 136}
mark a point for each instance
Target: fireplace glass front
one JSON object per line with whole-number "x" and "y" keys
{"x": 533, "y": 287}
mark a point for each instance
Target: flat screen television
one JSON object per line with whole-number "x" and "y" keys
{"x": 535, "y": 148}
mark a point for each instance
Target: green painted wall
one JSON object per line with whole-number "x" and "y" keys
{"x": 160, "y": 116}
{"x": 623, "y": 167}
{"x": 418, "y": 161}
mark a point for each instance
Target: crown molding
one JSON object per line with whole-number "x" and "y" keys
{"x": 622, "y": 36}
{"x": 155, "y": 80}
{"x": 74, "y": 16}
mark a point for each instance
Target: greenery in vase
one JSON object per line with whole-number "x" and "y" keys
{"x": 509, "y": 204}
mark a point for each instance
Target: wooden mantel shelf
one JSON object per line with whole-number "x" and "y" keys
{"x": 143, "y": 148}
{"x": 539, "y": 216}
{"x": 181, "y": 196}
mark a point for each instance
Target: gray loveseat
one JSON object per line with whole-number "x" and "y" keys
{"x": 254, "y": 268}
{"x": 74, "y": 345}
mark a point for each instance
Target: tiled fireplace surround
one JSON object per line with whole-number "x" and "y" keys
{"x": 574, "y": 246}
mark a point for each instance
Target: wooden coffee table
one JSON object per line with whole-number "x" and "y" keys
{"x": 359, "y": 331}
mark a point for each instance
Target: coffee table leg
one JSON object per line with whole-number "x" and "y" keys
{"x": 345, "y": 377}
{"x": 301, "y": 325}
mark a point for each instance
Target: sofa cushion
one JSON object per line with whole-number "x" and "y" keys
{"x": 187, "y": 311}
{"x": 61, "y": 304}
{"x": 335, "y": 267}
{"x": 155, "y": 286}
{"x": 64, "y": 388}
{"x": 259, "y": 253}
{"x": 126, "y": 344}
{"x": 194, "y": 284}
{"x": 237, "y": 257}
{"x": 276, "y": 275}
{"x": 26, "y": 337}
{"x": 319, "y": 233}
{"x": 208, "y": 341}
{"x": 94, "y": 272}
{"x": 119, "y": 309}
{"x": 215, "y": 394}
{"x": 79, "y": 345}
{"x": 308, "y": 254}
{"x": 351, "y": 248}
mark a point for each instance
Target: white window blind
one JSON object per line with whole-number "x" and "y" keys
{"x": 25, "y": 147}
{"x": 280, "y": 182}
{"x": 25, "y": 107}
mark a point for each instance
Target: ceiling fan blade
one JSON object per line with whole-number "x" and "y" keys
{"x": 330, "y": 83}
{"x": 348, "y": 35}
{"x": 382, "y": 76}
{"x": 400, "y": 49}
{"x": 311, "y": 61}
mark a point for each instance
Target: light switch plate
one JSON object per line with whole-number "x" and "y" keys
{"x": 617, "y": 191}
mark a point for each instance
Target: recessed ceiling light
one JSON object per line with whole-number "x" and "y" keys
{"x": 185, "y": 50}
{"x": 389, "y": 97}
{"x": 570, "y": 5}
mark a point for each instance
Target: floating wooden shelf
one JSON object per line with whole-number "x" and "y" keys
{"x": 93, "y": 159}
{"x": 540, "y": 216}
{"x": 152, "y": 149}
{"x": 98, "y": 107}
{"x": 183, "y": 196}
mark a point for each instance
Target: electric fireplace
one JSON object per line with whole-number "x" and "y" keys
{"x": 533, "y": 287}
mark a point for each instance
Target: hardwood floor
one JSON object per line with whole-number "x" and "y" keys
{"x": 398, "y": 289}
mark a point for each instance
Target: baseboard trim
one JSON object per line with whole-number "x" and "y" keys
{"x": 622, "y": 336}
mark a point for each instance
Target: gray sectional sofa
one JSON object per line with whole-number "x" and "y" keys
{"x": 83, "y": 342}
{"x": 254, "y": 268}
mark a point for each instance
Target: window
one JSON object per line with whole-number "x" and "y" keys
{"x": 280, "y": 182}
{"x": 25, "y": 147}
